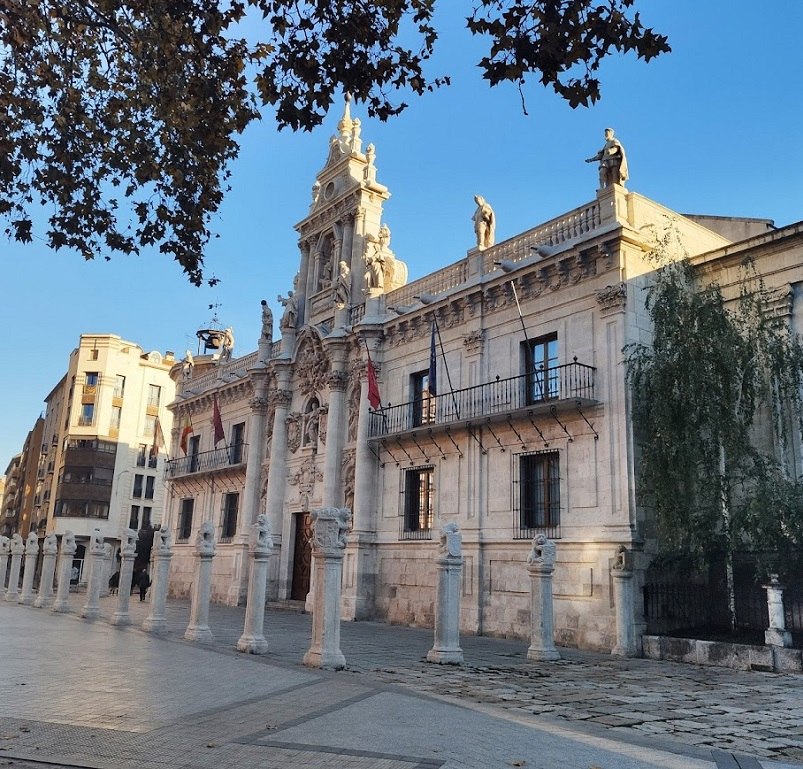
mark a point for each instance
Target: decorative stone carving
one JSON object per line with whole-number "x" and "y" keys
{"x": 353, "y": 404}
{"x": 91, "y": 608}
{"x": 342, "y": 292}
{"x": 612, "y": 297}
{"x": 281, "y": 398}
{"x": 348, "y": 468}
{"x": 156, "y": 622}
{"x": 331, "y": 526}
{"x": 50, "y": 548}
{"x": 450, "y": 541}
{"x": 612, "y": 161}
{"x": 484, "y": 220}
{"x": 227, "y": 345}
{"x": 68, "y": 548}
{"x": 337, "y": 380}
{"x": 541, "y": 565}
{"x": 198, "y": 628}
{"x": 17, "y": 551}
{"x": 311, "y": 366}
{"x": 205, "y": 539}
{"x": 293, "y": 422}
{"x": 374, "y": 265}
{"x": 128, "y": 551}
{"x": 306, "y": 477}
{"x": 161, "y": 542}
{"x": 446, "y": 649}
{"x": 473, "y": 341}
{"x": 622, "y": 574}
{"x": 259, "y": 404}
{"x": 31, "y": 552}
{"x": 252, "y": 639}
{"x": 290, "y": 314}
{"x": 323, "y": 421}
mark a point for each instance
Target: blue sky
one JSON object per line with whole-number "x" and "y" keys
{"x": 714, "y": 127}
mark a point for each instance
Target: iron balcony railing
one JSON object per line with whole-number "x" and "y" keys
{"x": 570, "y": 382}
{"x": 207, "y": 461}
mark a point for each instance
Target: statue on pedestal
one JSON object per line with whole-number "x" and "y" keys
{"x": 612, "y": 161}
{"x": 484, "y": 223}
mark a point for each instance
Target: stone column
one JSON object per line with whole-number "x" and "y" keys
{"x": 5, "y": 553}
{"x": 252, "y": 640}
{"x": 107, "y": 570}
{"x": 622, "y": 573}
{"x": 161, "y": 554}
{"x": 97, "y": 549}
{"x": 446, "y": 650}
{"x": 198, "y": 629}
{"x": 328, "y": 542}
{"x": 337, "y": 381}
{"x": 17, "y": 550}
{"x": 541, "y": 565}
{"x": 31, "y": 552}
{"x": 50, "y": 548}
{"x": 68, "y": 548}
{"x": 256, "y": 447}
{"x": 128, "y": 554}
{"x": 776, "y": 634}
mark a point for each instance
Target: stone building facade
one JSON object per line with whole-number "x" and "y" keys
{"x": 528, "y": 430}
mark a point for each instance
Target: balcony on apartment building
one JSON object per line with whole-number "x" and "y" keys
{"x": 546, "y": 392}
{"x": 217, "y": 460}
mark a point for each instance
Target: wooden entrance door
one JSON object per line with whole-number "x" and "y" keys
{"x": 302, "y": 556}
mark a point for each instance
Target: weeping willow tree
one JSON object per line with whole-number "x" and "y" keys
{"x": 717, "y": 405}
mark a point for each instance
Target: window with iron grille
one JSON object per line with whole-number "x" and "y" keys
{"x": 137, "y": 491}
{"x": 536, "y": 494}
{"x": 422, "y": 403}
{"x": 229, "y": 528}
{"x": 133, "y": 521}
{"x": 417, "y": 503}
{"x": 142, "y": 452}
{"x": 543, "y": 374}
{"x": 150, "y": 482}
{"x": 237, "y": 442}
{"x": 185, "y": 519}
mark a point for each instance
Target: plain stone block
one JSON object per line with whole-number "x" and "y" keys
{"x": 787, "y": 660}
{"x": 678, "y": 649}
{"x": 651, "y": 646}
{"x": 761, "y": 658}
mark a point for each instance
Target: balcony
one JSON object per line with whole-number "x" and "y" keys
{"x": 559, "y": 388}
{"x": 207, "y": 461}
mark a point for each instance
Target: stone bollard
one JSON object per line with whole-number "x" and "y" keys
{"x": 330, "y": 527}
{"x": 97, "y": 549}
{"x": 17, "y": 549}
{"x": 252, "y": 640}
{"x": 622, "y": 573}
{"x": 541, "y": 565}
{"x": 198, "y": 629}
{"x": 50, "y": 548}
{"x": 31, "y": 553}
{"x": 107, "y": 571}
{"x": 68, "y": 548}
{"x": 446, "y": 650}
{"x": 128, "y": 552}
{"x": 161, "y": 554}
{"x": 776, "y": 634}
{"x": 5, "y": 553}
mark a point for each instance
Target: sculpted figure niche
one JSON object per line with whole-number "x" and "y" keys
{"x": 484, "y": 223}
{"x": 612, "y": 161}
{"x": 342, "y": 293}
{"x": 375, "y": 265}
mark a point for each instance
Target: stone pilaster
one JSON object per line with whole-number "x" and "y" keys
{"x": 17, "y": 551}
{"x": 622, "y": 573}
{"x": 31, "y": 553}
{"x": 541, "y": 565}
{"x": 128, "y": 553}
{"x": 252, "y": 640}
{"x": 91, "y": 609}
{"x": 776, "y": 634}
{"x": 328, "y": 542}
{"x": 68, "y": 548}
{"x": 161, "y": 554}
{"x": 198, "y": 629}
{"x": 50, "y": 549}
{"x": 446, "y": 649}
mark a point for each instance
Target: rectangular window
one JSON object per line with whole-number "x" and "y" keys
{"x": 543, "y": 374}
{"x": 93, "y": 355}
{"x": 195, "y": 448}
{"x": 418, "y": 503}
{"x": 149, "y": 484}
{"x": 91, "y": 379}
{"x": 229, "y": 527}
{"x": 142, "y": 452}
{"x": 185, "y": 520}
{"x": 153, "y": 459}
{"x": 154, "y": 394}
{"x": 133, "y": 521}
{"x": 236, "y": 443}
{"x": 87, "y": 414}
{"x": 146, "y": 517}
{"x": 137, "y": 492}
{"x": 423, "y": 404}
{"x": 119, "y": 386}
{"x": 538, "y": 494}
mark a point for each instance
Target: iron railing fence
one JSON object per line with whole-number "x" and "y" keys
{"x": 207, "y": 461}
{"x": 572, "y": 381}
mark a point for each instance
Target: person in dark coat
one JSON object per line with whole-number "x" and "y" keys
{"x": 143, "y": 583}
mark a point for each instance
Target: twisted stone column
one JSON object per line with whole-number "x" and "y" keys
{"x": 161, "y": 554}
{"x": 622, "y": 573}
{"x": 330, "y": 527}
{"x": 97, "y": 549}
{"x": 541, "y": 565}
{"x": 68, "y": 548}
{"x": 446, "y": 650}
{"x": 198, "y": 629}
{"x": 252, "y": 640}
{"x": 17, "y": 551}
{"x": 128, "y": 554}
{"x": 31, "y": 553}
{"x": 50, "y": 548}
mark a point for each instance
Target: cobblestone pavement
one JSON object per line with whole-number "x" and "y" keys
{"x": 388, "y": 710}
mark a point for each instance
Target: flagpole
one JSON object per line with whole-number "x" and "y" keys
{"x": 530, "y": 350}
{"x": 446, "y": 366}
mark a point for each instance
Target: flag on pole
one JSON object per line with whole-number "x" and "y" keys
{"x": 186, "y": 432}
{"x": 158, "y": 438}
{"x": 432, "y": 379}
{"x": 373, "y": 386}
{"x": 217, "y": 422}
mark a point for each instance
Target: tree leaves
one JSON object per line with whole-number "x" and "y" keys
{"x": 147, "y": 98}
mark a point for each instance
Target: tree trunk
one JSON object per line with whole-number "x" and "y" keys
{"x": 726, "y": 523}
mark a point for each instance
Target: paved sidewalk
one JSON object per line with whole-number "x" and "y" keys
{"x": 81, "y": 693}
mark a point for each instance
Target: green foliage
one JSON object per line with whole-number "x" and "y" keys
{"x": 716, "y": 397}
{"x": 122, "y": 117}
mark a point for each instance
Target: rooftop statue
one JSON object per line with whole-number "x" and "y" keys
{"x": 484, "y": 223}
{"x": 267, "y": 321}
{"x": 612, "y": 161}
{"x": 342, "y": 291}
